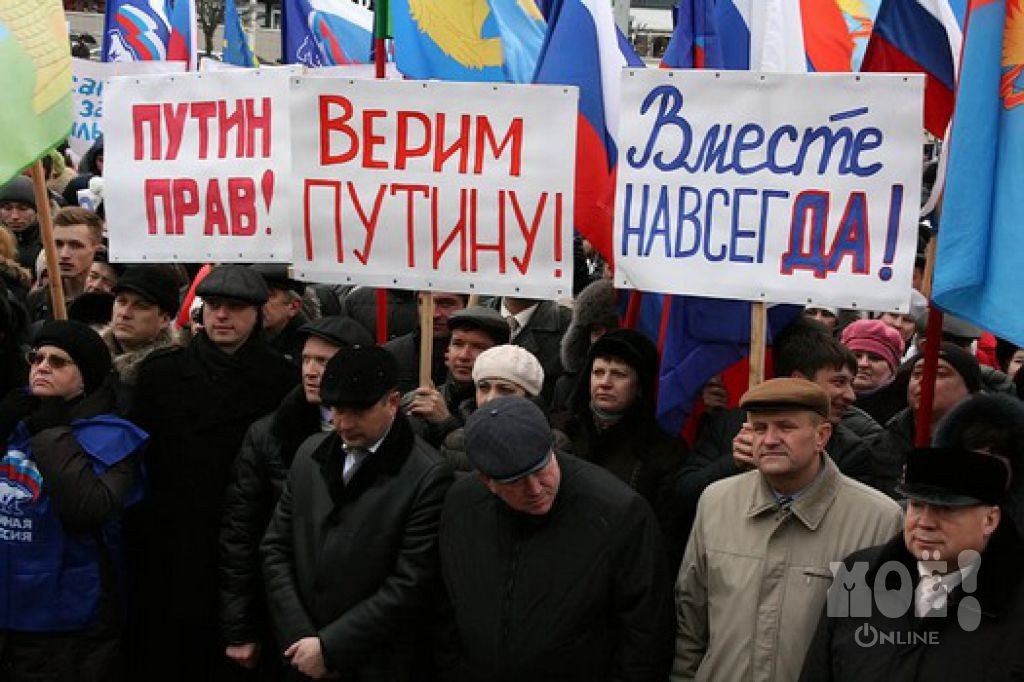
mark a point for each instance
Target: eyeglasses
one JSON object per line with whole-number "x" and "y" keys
{"x": 55, "y": 361}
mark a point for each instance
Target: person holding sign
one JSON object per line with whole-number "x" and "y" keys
{"x": 756, "y": 568}
{"x": 78, "y": 235}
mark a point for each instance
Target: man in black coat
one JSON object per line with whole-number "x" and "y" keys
{"x": 350, "y": 557}
{"x": 196, "y": 402}
{"x": 944, "y": 600}
{"x": 259, "y": 473}
{"x": 553, "y": 567}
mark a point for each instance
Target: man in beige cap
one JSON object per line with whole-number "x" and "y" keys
{"x": 757, "y": 565}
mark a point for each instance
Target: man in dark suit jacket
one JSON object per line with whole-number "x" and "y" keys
{"x": 538, "y": 326}
{"x": 350, "y": 557}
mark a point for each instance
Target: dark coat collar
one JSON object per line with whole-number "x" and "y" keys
{"x": 386, "y": 461}
{"x": 999, "y": 575}
{"x": 294, "y": 421}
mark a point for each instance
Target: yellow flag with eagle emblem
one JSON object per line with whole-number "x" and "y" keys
{"x": 467, "y": 40}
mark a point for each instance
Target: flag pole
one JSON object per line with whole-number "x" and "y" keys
{"x": 758, "y": 341}
{"x": 380, "y": 62}
{"x": 60, "y": 310}
{"x": 932, "y": 341}
{"x": 426, "y": 338}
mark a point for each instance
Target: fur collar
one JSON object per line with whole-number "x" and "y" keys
{"x": 126, "y": 363}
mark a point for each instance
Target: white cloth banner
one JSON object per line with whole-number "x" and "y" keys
{"x": 87, "y": 79}
{"x": 430, "y": 185}
{"x": 198, "y": 169}
{"x": 785, "y": 188}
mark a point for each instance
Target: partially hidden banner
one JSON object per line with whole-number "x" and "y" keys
{"x": 431, "y": 185}
{"x": 785, "y": 188}
{"x": 197, "y": 167}
{"x": 88, "y": 78}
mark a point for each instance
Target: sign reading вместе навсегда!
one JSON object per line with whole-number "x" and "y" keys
{"x": 464, "y": 187}
{"x": 785, "y": 188}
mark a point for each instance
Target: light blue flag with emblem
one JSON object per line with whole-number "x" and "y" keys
{"x": 136, "y": 30}
{"x": 479, "y": 40}
{"x": 236, "y": 47}
{"x": 981, "y": 244}
{"x": 325, "y": 32}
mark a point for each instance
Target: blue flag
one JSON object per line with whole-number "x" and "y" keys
{"x": 981, "y": 250}
{"x": 136, "y": 30}
{"x": 236, "y": 47}
{"x": 325, "y": 32}
{"x": 478, "y": 40}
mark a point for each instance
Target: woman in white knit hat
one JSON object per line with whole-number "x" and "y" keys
{"x": 498, "y": 372}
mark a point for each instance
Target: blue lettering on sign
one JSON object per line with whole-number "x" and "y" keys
{"x": 680, "y": 223}
{"x": 747, "y": 149}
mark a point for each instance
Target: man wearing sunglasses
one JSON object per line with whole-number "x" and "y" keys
{"x": 197, "y": 403}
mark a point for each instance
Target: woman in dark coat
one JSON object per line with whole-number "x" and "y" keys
{"x": 612, "y": 422}
{"x": 68, "y": 473}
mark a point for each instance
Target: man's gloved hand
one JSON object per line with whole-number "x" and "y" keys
{"x": 16, "y": 405}
{"x": 50, "y": 413}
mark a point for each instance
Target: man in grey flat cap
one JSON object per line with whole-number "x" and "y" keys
{"x": 757, "y": 564}
{"x": 196, "y": 403}
{"x": 553, "y": 568}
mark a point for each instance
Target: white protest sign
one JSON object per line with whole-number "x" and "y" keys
{"x": 200, "y": 171}
{"x": 786, "y": 188}
{"x": 429, "y": 185}
{"x": 87, "y": 78}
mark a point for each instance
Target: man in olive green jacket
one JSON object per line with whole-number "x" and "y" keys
{"x": 757, "y": 566}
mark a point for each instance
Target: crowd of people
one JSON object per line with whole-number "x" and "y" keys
{"x": 219, "y": 474}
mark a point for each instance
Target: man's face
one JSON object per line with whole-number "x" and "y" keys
{"x": 54, "y": 374}
{"x": 939, "y": 533}
{"x": 533, "y": 494}
{"x": 16, "y": 215}
{"x": 362, "y": 427}
{"x": 228, "y": 322}
{"x": 904, "y": 324}
{"x": 788, "y": 446}
{"x": 315, "y": 354}
{"x": 489, "y": 388}
{"x": 75, "y": 249}
{"x": 444, "y": 305}
{"x": 463, "y": 349}
{"x": 279, "y": 309}
{"x": 872, "y": 371}
{"x": 1015, "y": 363}
{"x": 136, "y": 320}
{"x": 950, "y": 388}
{"x": 614, "y": 385}
{"x": 838, "y": 384}
{"x": 101, "y": 277}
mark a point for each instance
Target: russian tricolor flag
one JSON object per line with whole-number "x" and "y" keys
{"x": 584, "y": 48}
{"x": 920, "y": 36}
{"x": 183, "y": 44}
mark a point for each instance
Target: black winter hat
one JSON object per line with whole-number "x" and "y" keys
{"x": 84, "y": 346}
{"x": 954, "y": 477}
{"x": 153, "y": 283}
{"x": 339, "y": 331}
{"x": 358, "y": 378}
{"x": 508, "y": 438}
{"x": 19, "y": 189}
{"x": 631, "y": 347}
{"x": 92, "y": 307}
{"x": 963, "y": 362}
{"x": 234, "y": 281}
